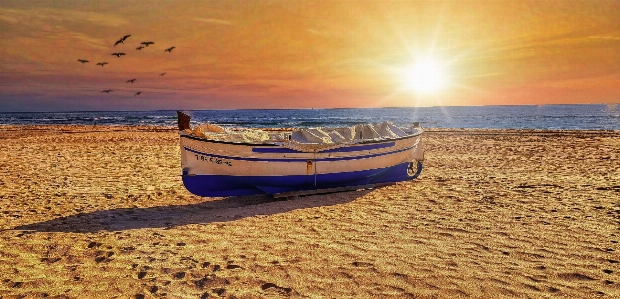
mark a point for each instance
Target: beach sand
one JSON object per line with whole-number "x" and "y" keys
{"x": 101, "y": 212}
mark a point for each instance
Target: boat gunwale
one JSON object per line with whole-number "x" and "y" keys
{"x": 300, "y": 159}
{"x": 369, "y": 141}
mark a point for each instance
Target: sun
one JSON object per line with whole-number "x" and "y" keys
{"x": 425, "y": 76}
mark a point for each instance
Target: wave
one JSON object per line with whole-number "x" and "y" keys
{"x": 573, "y": 117}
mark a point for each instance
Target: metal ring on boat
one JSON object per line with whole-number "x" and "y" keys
{"x": 414, "y": 169}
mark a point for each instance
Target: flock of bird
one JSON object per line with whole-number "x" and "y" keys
{"x": 119, "y": 54}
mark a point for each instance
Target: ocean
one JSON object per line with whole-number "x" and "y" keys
{"x": 552, "y": 117}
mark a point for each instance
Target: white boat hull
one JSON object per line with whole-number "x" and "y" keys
{"x": 217, "y": 168}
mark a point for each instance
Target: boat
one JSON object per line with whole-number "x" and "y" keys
{"x": 218, "y": 161}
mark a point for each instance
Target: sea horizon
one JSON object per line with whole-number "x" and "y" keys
{"x": 548, "y": 116}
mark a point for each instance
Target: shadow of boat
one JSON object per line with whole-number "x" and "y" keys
{"x": 220, "y": 210}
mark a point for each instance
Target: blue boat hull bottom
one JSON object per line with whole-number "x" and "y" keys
{"x": 227, "y": 185}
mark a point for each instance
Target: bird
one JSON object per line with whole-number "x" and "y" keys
{"x": 140, "y": 48}
{"x": 83, "y": 61}
{"x": 131, "y": 80}
{"x": 169, "y": 49}
{"x": 102, "y": 63}
{"x": 147, "y": 43}
{"x": 118, "y": 54}
{"x": 162, "y": 74}
{"x": 137, "y": 93}
{"x": 122, "y": 40}
{"x": 107, "y": 91}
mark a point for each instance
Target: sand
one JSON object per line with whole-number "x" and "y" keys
{"x": 101, "y": 212}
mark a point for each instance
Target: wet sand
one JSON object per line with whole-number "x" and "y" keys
{"x": 101, "y": 212}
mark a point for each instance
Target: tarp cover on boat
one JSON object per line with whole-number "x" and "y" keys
{"x": 304, "y": 139}
{"x": 317, "y": 139}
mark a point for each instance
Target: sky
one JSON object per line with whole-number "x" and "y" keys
{"x": 306, "y": 54}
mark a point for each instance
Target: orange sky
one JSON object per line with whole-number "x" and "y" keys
{"x": 304, "y": 54}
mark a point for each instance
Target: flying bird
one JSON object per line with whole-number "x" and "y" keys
{"x": 122, "y": 40}
{"x": 169, "y": 49}
{"x": 107, "y": 91}
{"x": 102, "y": 63}
{"x": 162, "y": 74}
{"x": 118, "y": 54}
{"x": 137, "y": 93}
{"x": 140, "y": 48}
{"x": 131, "y": 80}
{"x": 147, "y": 43}
{"x": 83, "y": 61}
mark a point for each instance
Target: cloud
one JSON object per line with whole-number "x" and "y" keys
{"x": 214, "y": 21}
{"x": 53, "y": 16}
{"x": 606, "y": 37}
{"x": 8, "y": 19}
{"x": 66, "y": 15}
{"x": 486, "y": 75}
{"x": 38, "y": 27}
{"x": 93, "y": 43}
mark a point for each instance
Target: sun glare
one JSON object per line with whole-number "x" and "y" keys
{"x": 426, "y": 76}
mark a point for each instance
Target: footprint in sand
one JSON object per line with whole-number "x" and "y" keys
{"x": 362, "y": 264}
{"x": 575, "y": 276}
{"x": 210, "y": 281}
{"x": 279, "y": 289}
{"x": 219, "y": 291}
{"x": 94, "y": 244}
{"x": 552, "y": 289}
{"x": 50, "y": 260}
